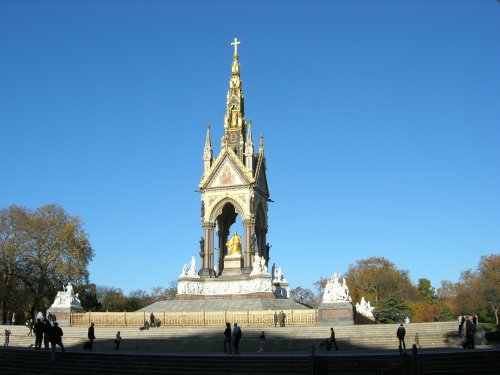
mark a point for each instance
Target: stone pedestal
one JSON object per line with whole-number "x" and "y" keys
{"x": 63, "y": 315}
{"x": 336, "y": 314}
{"x": 233, "y": 264}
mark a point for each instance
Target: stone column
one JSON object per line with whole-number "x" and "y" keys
{"x": 249, "y": 227}
{"x": 208, "y": 253}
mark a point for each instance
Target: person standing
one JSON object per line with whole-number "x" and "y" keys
{"x": 152, "y": 320}
{"x": 7, "y": 338}
{"x": 91, "y": 336}
{"x": 400, "y": 333}
{"x": 46, "y": 334}
{"x": 56, "y": 334}
{"x": 118, "y": 340}
{"x": 228, "y": 346}
{"x": 262, "y": 340}
{"x": 332, "y": 340}
{"x": 39, "y": 328}
{"x": 237, "y": 337}
{"x": 417, "y": 340}
{"x": 275, "y": 319}
{"x": 283, "y": 318}
{"x": 470, "y": 331}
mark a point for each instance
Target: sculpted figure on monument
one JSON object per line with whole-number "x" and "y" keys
{"x": 67, "y": 298}
{"x": 253, "y": 243}
{"x": 365, "y": 308}
{"x": 259, "y": 265}
{"x": 202, "y": 244}
{"x": 336, "y": 290}
{"x": 234, "y": 244}
{"x": 192, "y": 267}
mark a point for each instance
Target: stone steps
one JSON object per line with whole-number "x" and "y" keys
{"x": 209, "y": 339}
{"x": 435, "y": 362}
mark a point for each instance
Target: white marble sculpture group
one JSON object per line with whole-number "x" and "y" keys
{"x": 67, "y": 298}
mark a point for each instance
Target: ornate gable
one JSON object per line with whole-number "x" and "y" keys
{"x": 227, "y": 171}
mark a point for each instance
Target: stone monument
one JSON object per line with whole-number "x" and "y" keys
{"x": 364, "y": 309}
{"x": 65, "y": 302}
{"x": 234, "y": 184}
{"x": 336, "y": 306}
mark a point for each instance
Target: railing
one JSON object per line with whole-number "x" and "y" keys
{"x": 194, "y": 319}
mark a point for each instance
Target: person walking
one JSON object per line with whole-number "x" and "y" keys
{"x": 400, "y": 333}
{"x": 118, "y": 340}
{"x": 39, "y": 328}
{"x": 417, "y": 340}
{"x": 91, "y": 336}
{"x": 237, "y": 337}
{"x": 7, "y": 338}
{"x": 228, "y": 346}
{"x": 56, "y": 334}
{"x": 262, "y": 341}
{"x": 332, "y": 341}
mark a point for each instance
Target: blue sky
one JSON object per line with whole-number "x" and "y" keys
{"x": 381, "y": 124}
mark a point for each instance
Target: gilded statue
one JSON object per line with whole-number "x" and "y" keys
{"x": 234, "y": 244}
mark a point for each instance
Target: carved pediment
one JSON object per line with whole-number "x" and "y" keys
{"x": 227, "y": 171}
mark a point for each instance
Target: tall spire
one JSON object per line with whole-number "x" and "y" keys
{"x": 207, "y": 152}
{"x": 249, "y": 148}
{"x": 234, "y": 122}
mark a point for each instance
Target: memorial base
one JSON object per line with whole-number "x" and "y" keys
{"x": 336, "y": 314}
{"x": 62, "y": 315}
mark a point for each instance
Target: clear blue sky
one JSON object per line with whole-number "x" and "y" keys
{"x": 381, "y": 122}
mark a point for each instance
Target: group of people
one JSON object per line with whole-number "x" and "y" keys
{"x": 232, "y": 339}
{"x": 47, "y": 333}
{"x": 279, "y": 318}
{"x": 401, "y": 333}
{"x": 467, "y": 330}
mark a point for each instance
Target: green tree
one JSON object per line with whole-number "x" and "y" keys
{"x": 111, "y": 299}
{"x": 87, "y": 293}
{"x": 392, "y": 309}
{"x": 425, "y": 290}
{"x": 137, "y": 299}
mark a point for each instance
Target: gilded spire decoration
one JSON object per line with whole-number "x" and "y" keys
{"x": 234, "y": 122}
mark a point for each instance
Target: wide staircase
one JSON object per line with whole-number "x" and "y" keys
{"x": 369, "y": 349}
{"x": 278, "y": 339}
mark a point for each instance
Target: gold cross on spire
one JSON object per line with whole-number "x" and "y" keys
{"x": 235, "y": 44}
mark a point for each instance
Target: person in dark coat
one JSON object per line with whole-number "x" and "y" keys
{"x": 56, "y": 334}
{"x": 470, "y": 331}
{"x": 228, "y": 345}
{"x": 237, "y": 337}
{"x": 401, "y": 332}
{"x": 46, "y": 334}
{"x": 275, "y": 319}
{"x": 91, "y": 336}
{"x": 332, "y": 340}
{"x": 39, "y": 328}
